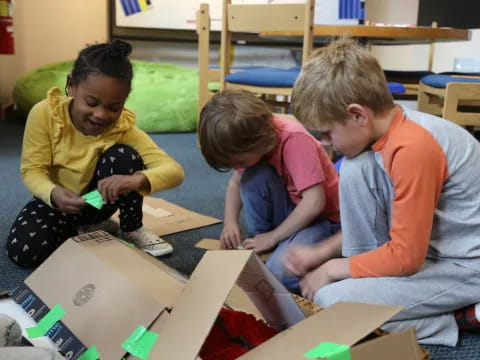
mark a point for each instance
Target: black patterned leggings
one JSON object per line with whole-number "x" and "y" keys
{"x": 38, "y": 229}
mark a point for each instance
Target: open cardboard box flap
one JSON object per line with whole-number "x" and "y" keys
{"x": 205, "y": 293}
{"x": 395, "y": 346}
{"x": 342, "y": 323}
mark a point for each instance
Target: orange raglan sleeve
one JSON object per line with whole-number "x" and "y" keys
{"x": 417, "y": 167}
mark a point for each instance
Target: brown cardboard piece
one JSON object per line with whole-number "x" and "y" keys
{"x": 166, "y": 218}
{"x": 214, "y": 244}
{"x": 132, "y": 289}
{"x": 342, "y": 323}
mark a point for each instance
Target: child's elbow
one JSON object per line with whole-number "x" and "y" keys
{"x": 314, "y": 200}
{"x": 411, "y": 265}
{"x": 178, "y": 175}
{"x": 319, "y": 205}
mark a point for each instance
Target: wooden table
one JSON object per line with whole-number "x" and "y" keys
{"x": 379, "y": 35}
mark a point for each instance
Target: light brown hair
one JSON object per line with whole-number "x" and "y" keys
{"x": 235, "y": 122}
{"x": 334, "y": 77}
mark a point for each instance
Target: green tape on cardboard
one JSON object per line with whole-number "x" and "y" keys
{"x": 140, "y": 342}
{"x": 90, "y": 354}
{"x": 45, "y": 324}
{"x": 94, "y": 198}
{"x": 330, "y": 351}
{"x": 127, "y": 243}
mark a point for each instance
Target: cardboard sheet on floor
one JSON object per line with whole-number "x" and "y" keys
{"x": 166, "y": 218}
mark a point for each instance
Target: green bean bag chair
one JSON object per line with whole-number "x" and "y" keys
{"x": 164, "y": 96}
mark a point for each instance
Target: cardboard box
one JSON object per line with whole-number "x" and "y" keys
{"x": 108, "y": 289}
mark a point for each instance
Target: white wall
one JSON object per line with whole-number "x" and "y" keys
{"x": 47, "y": 31}
{"x": 415, "y": 57}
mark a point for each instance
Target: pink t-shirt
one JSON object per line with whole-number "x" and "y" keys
{"x": 302, "y": 162}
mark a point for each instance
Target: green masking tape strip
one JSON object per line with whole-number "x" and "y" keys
{"x": 127, "y": 243}
{"x": 94, "y": 198}
{"x": 55, "y": 314}
{"x": 90, "y": 354}
{"x": 140, "y": 343}
{"x": 330, "y": 351}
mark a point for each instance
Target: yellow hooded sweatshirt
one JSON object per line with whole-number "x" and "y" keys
{"x": 55, "y": 153}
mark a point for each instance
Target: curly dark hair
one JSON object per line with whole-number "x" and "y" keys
{"x": 109, "y": 59}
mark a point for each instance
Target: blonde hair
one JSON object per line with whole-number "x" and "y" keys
{"x": 336, "y": 76}
{"x": 235, "y": 122}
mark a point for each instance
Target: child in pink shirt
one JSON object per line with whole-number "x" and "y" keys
{"x": 285, "y": 180}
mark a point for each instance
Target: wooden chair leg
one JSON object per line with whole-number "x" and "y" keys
{"x": 430, "y": 100}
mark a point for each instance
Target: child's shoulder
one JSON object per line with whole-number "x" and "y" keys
{"x": 50, "y": 110}
{"x": 417, "y": 129}
{"x": 288, "y": 124}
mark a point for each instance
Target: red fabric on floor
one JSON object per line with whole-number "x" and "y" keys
{"x": 219, "y": 345}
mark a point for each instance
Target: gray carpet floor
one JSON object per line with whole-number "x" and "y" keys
{"x": 203, "y": 191}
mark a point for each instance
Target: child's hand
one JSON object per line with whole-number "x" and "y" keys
{"x": 300, "y": 259}
{"x": 313, "y": 281}
{"x": 331, "y": 271}
{"x": 261, "y": 242}
{"x": 66, "y": 200}
{"x": 114, "y": 186}
{"x": 231, "y": 237}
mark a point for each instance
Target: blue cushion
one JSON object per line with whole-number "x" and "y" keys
{"x": 270, "y": 77}
{"x": 441, "y": 81}
{"x": 396, "y": 88}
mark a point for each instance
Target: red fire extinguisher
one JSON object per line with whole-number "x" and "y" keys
{"x": 6, "y": 27}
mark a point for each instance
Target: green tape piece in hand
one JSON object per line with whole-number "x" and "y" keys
{"x": 94, "y": 198}
{"x": 140, "y": 342}
{"x": 90, "y": 354}
{"x": 46, "y": 323}
{"x": 330, "y": 351}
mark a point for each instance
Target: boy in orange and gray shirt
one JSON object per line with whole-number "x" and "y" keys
{"x": 409, "y": 199}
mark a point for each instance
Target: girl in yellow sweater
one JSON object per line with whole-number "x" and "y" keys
{"x": 84, "y": 141}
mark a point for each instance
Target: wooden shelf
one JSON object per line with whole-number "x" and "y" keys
{"x": 383, "y": 34}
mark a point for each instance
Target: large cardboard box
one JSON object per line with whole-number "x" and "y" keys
{"x": 108, "y": 289}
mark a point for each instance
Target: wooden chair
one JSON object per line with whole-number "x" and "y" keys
{"x": 256, "y": 18}
{"x": 454, "y": 97}
{"x": 206, "y": 75}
